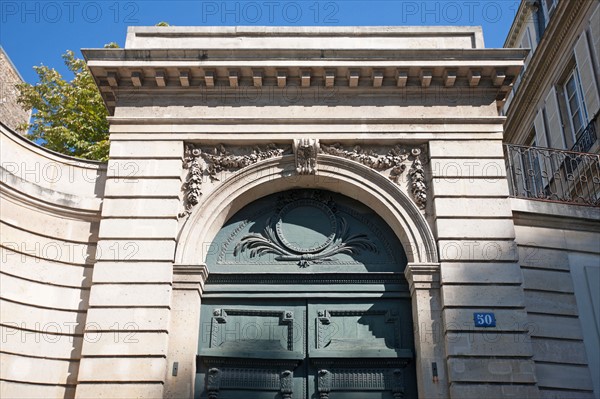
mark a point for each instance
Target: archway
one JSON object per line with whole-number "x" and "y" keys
{"x": 334, "y": 174}
{"x": 306, "y": 298}
{"x": 339, "y": 176}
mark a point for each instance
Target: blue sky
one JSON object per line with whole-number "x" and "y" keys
{"x": 38, "y": 32}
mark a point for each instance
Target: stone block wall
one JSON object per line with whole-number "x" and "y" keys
{"x": 559, "y": 255}
{"x": 131, "y": 286}
{"x": 49, "y": 214}
{"x": 11, "y": 113}
{"x": 479, "y": 272}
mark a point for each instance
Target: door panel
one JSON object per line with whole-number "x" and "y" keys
{"x": 253, "y": 350}
{"x": 359, "y": 349}
{"x": 305, "y": 349}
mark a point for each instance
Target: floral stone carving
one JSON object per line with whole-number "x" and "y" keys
{"x": 418, "y": 185}
{"x": 210, "y": 161}
{"x": 395, "y": 160}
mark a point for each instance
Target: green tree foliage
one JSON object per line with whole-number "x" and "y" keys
{"x": 69, "y": 117}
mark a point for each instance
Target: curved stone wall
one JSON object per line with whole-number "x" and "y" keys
{"x": 49, "y": 213}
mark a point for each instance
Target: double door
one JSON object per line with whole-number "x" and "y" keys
{"x": 306, "y": 349}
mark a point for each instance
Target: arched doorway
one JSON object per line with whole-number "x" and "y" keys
{"x": 306, "y": 298}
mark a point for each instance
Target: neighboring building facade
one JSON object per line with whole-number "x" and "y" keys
{"x": 556, "y": 101}
{"x": 552, "y": 151}
{"x": 11, "y": 113}
{"x": 292, "y": 213}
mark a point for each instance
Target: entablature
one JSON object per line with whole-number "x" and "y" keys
{"x": 119, "y": 71}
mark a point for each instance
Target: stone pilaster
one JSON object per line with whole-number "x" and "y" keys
{"x": 127, "y": 329}
{"x": 479, "y": 272}
{"x": 424, "y": 283}
{"x": 188, "y": 285}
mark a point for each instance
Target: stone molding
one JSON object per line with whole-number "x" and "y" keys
{"x": 34, "y": 196}
{"x": 189, "y": 277}
{"x": 274, "y": 175}
{"x": 391, "y": 161}
{"x": 127, "y": 72}
{"x": 394, "y": 161}
{"x": 422, "y": 276}
{"x": 525, "y": 11}
{"x": 50, "y": 155}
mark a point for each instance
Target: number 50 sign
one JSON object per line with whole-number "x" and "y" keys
{"x": 484, "y": 319}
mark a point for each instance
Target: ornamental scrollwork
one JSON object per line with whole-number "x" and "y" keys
{"x": 210, "y": 161}
{"x": 395, "y": 160}
{"x": 337, "y": 238}
{"x": 193, "y": 183}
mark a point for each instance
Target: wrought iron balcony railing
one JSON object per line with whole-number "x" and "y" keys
{"x": 586, "y": 138}
{"x": 554, "y": 175}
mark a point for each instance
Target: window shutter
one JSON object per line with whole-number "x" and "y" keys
{"x": 541, "y": 141}
{"x": 555, "y": 130}
{"x": 586, "y": 75}
{"x": 540, "y": 130}
{"x": 595, "y": 34}
{"x": 526, "y": 43}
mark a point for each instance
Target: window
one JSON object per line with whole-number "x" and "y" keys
{"x": 549, "y": 7}
{"x": 575, "y": 104}
{"x": 531, "y": 161}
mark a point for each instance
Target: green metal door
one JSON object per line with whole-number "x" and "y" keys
{"x": 252, "y": 350}
{"x": 306, "y": 298}
{"x": 305, "y": 349}
{"x": 359, "y": 349}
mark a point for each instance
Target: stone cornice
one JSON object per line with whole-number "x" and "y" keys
{"x": 544, "y": 59}
{"x": 51, "y": 156}
{"x": 126, "y": 72}
{"x": 493, "y": 120}
{"x": 189, "y": 277}
{"x": 37, "y": 198}
{"x": 422, "y": 276}
{"x": 523, "y": 13}
{"x": 96, "y": 57}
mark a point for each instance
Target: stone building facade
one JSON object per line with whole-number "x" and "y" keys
{"x": 11, "y": 113}
{"x": 291, "y": 213}
{"x": 552, "y": 149}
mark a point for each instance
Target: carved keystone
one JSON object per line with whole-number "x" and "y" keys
{"x": 305, "y": 152}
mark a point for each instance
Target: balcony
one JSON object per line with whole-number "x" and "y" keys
{"x": 586, "y": 138}
{"x": 550, "y": 174}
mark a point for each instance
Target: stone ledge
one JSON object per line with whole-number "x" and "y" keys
{"x": 493, "y": 391}
{"x": 119, "y": 391}
{"x": 123, "y": 369}
{"x": 484, "y": 370}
